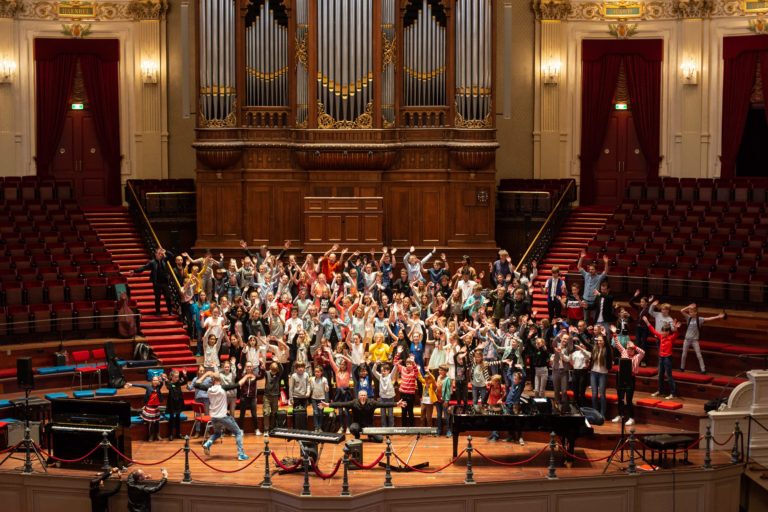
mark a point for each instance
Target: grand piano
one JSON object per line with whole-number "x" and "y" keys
{"x": 78, "y": 426}
{"x": 568, "y": 427}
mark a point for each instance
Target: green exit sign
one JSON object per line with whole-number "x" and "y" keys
{"x": 621, "y": 106}
{"x": 78, "y": 106}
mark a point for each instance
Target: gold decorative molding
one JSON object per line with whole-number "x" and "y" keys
{"x": 148, "y": 9}
{"x": 389, "y": 51}
{"x": 460, "y": 122}
{"x": 595, "y": 11}
{"x": 622, "y": 9}
{"x": 694, "y": 8}
{"x": 76, "y": 30}
{"x": 9, "y": 8}
{"x": 754, "y": 6}
{"x": 228, "y": 122}
{"x": 301, "y": 49}
{"x": 134, "y": 10}
{"x": 622, "y": 30}
{"x": 551, "y": 9}
{"x": 758, "y": 25}
{"x": 327, "y": 122}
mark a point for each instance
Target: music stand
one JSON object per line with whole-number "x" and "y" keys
{"x": 29, "y": 446}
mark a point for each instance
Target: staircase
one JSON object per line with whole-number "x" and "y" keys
{"x": 164, "y": 333}
{"x": 582, "y": 225}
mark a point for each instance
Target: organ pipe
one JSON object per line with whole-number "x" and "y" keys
{"x": 217, "y": 62}
{"x": 266, "y": 36}
{"x": 302, "y": 39}
{"x": 473, "y": 63}
{"x": 424, "y": 54}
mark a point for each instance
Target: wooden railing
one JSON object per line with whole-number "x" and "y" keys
{"x": 546, "y": 234}
{"x": 424, "y": 117}
{"x": 265, "y": 117}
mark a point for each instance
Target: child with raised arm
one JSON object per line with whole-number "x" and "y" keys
{"x": 299, "y": 389}
{"x": 343, "y": 393}
{"x": 667, "y": 336}
{"x": 693, "y": 332}
{"x": 443, "y": 390}
{"x": 386, "y": 376}
{"x": 415, "y": 266}
{"x": 636, "y": 355}
{"x": 319, "y": 388}
{"x": 408, "y": 375}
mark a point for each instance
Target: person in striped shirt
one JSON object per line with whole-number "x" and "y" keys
{"x": 635, "y": 354}
{"x": 408, "y": 375}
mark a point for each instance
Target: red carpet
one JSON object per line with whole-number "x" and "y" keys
{"x": 582, "y": 225}
{"x": 164, "y": 333}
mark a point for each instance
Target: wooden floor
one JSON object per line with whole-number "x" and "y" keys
{"x": 435, "y": 450}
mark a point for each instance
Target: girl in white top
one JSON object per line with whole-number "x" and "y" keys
{"x": 356, "y": 349}
{"x": 293, "y": 325}
{"x": 211, "y": 352}
{"x": 252, "y": 352}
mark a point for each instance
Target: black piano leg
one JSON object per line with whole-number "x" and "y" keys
{"x": 455, "y": 444}
{"x": 570, "y": 447}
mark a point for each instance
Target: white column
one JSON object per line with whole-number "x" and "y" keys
{"x": 689, "y": 141}
{"x": 10, "y": 134}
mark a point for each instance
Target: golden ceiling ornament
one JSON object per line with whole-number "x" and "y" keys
{"x": 551, "y": 9}
{"x": 692, "y": 9}
{"x": 9, "y": 8}
{"x": 48, "y": 10}
{"x": 148, "y": 9}
{"x": 76, "y": 30}
{"x": 389, "y": 51}
{"x": 622, "y": 30}
{"x": 758, "y": 25}
{"x": 326, "y": 122}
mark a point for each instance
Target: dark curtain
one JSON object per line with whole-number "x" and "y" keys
{"x": 598, "y": 86}
{"x": 739, "y": 78}
{"x": 54, "y": 83}
{"x": 644, "y": 87}
{"x": 101, "y": 84}
{"x": 764, "y": 76}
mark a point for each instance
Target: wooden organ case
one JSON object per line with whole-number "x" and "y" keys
{"x": 385, "y": 99}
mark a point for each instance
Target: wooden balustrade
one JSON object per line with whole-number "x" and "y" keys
{"x": 424, "y": 117}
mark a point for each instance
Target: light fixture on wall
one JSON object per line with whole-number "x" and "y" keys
{"x": 689, "y": 72}
{"x": 7, "y": 70}
{"x": 149, "y": 71}
{"x": 550, "y": 71}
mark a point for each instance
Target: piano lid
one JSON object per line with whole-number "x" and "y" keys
{"x": 90, "y": 408}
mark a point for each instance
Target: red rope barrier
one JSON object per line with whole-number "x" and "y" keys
{"x": 67, "y": 461}
{"x": 125, "y": 457}
{"x": 518, "y": 463}
{"x": 226, "y": 470}
{"x": 283, "y": 466}
{"x": 326, "y": 476}
{"x": 12, "y": 448}
{"x": 429, "y": 471}
{"x": 690, "y": 446}
{"x": 724, "y": 442}
{"x": 601, "y": 459}
{"x": 368, "y": 466}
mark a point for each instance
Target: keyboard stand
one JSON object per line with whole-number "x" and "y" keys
{"x": 402, "y": 467}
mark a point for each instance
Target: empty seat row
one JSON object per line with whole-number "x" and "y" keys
{"x": 32, "y": 187}
{"x": 31, "y": 274}
{"x": 16, "y": 293}
{"x": 688, "y": 189}
{"x": 59, "y": 317}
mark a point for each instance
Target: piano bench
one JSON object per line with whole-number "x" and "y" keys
{"x": 83, "y": 394}
{"x": 664, "y": 443}
{"x": 55, "y": 396}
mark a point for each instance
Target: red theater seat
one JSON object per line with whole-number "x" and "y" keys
{"x": 648, "y": 402}
{"x": 669, "y": 406}
{"x": 694, "y": 378}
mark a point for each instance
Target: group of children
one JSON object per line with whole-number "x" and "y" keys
{"x": 422, "y": 336}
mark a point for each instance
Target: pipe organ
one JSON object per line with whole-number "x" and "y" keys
{"x": 390, "y": 99}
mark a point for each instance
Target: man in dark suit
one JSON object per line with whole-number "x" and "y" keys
{"x": 140, "y": 490}
{"x": 160, "y": 276}
{"x": 100, "y": 493}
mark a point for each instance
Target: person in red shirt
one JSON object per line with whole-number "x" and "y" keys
{"x": 329, "y": 265}
{"x": 667, "y": 336}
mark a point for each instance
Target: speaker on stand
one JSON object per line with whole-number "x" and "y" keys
{"x": 25, "y": 378}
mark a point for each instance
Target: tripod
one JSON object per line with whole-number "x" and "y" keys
{"x": 29, "y": 446}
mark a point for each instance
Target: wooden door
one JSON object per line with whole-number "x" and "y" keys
{"x": 621, "y": 160}
{"x": 79, "y": 159}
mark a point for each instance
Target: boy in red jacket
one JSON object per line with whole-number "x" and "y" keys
{"x": 667, "y": 336}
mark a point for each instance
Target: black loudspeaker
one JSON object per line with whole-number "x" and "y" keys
{"x": 624, "y": 381}
{"x": 355, "y": 447}
{"x": 24, "y": 376}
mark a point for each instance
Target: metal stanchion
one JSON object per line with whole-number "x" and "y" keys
{"x": 105, "y": 466}
{"x": 632, "y": 468}
{"x": 267, "y": 482}
{"x": 470, "y": 477}
{"x": 552, "y": 444}
{"x": 27, "y": 452}
{"x": 735, "y": 455}
{"x": 305, "y": 489}
{"x": 187, "y": 473}
{"x": 345, "y": 480}
{"x": 708, "y": 448}
{"x": 388, "y": 467}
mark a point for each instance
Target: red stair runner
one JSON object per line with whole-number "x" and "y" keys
{"x": 164, "y": 333}
{"x": 582, "y": 225}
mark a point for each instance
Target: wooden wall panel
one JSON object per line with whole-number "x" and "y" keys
{"x": 432, "y": 217}
{"x": 398, "y": 220}
{"x": 352, "y": 229}
{"x": 288, "y": 221}
{"x": 333, "y": 228}
{"x": 230, "y": 212}
{"x": 207, "y": 203}
{"x": 372, "y": 229}
{"x": 315, "y": 228}
{"x": 257, "y": 220}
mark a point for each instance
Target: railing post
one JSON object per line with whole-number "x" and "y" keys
{"x": 267, "y": 482}
{"x": 27, "y": 452}
{"x": 708, "y": 447}
{"x": 632, "y": 468}
{"x": 735, "y": 455}
{"x": 105, "y": 466}
{"x": 387, "y": 466}
{"x": 187, "y": 473}
{"x": 551, "y": 474}
{"x": 305, "y": 489}
{"x": 345, "y": 480}
{"x": 470, "y": 477}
